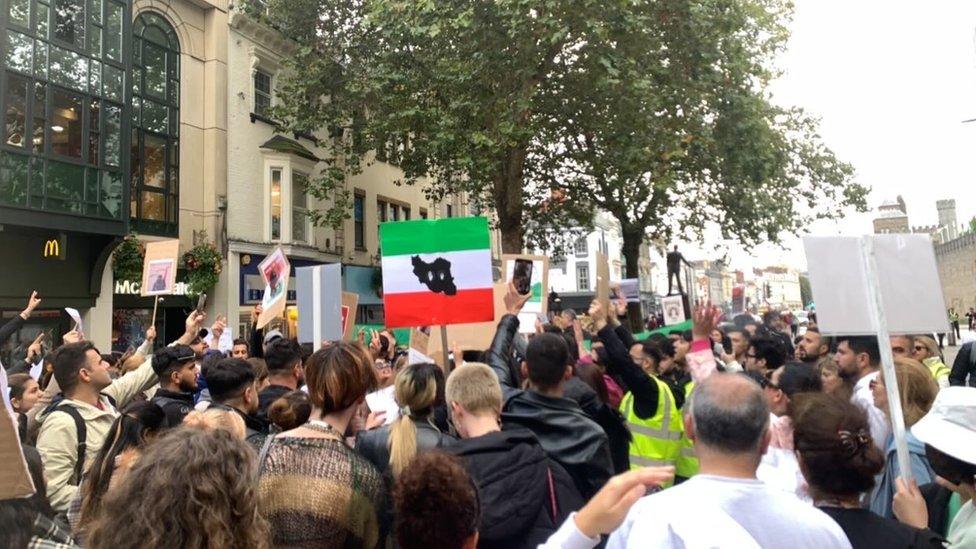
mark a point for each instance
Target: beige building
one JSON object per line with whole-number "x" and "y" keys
{"x": 892, "y": 217}
{"x": 209, "y": 166}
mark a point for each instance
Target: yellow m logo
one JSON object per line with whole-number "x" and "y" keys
{"x": 52, "y": 248}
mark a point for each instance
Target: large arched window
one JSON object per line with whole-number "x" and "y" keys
{"x": 155, "y": 164}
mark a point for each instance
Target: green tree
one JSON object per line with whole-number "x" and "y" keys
{"x": 673, "y": 131}
{"x": 462, "y": 88}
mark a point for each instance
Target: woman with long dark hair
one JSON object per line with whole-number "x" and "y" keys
{"x": 138, "y": 424}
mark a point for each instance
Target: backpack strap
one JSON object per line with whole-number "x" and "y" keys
{"x": 82, "y": 434}
{"x": 263, "y": 454}
{"x": 553, "y": 506}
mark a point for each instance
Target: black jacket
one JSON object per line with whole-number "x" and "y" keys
{"x": 964, "y": 366}
{"x": 267, "y": 396}
{"x": 254, "y": 428}
{"x": 567, "y": 435}
{"x": 525, "y": 496}
{"x": 937, "y": 503}
{"x": 175, "y": 405}
{"x": 375, "y": 445}
{"x": 608, "y": 418}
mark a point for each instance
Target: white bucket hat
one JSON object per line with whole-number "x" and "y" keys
{"x": 950, "y": 426}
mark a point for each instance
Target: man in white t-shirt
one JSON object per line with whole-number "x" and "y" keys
{"x": 858, "y": 359}
{"x": 725, "y": 505}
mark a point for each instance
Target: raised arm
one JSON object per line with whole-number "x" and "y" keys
{"x": 644, "y": 389}
{"x": 501, "y": 345}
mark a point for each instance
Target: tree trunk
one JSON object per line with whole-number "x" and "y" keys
{"x": 509, "y": 200}
{"x": 631, "y": 252}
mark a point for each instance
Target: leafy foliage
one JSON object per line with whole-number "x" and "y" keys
{"x": 203, "y": 264}
{"x": 127, "y": 259}
{"x": 656, "y": 111}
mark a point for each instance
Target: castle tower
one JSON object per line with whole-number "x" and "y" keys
{"x": 947, "y": 217}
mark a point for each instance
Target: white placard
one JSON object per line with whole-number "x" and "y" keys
{"x": 226, "y": 342}
{"x": 37, "y": 369}
{"x": 416, "y": 357}
{"x": 908, "y": 281}
{"x": 674, "y": 310}
{"x": 76, "y": 317}
{"x": 630, "y": 290}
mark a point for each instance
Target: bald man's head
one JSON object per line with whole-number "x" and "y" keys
{"x": 730, "y": 414}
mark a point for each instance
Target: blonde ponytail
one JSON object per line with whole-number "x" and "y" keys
{"x": 416, "y": 392}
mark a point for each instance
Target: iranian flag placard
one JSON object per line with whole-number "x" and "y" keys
{"x": 437, "y": 272}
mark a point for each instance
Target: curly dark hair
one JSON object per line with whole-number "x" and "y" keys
{"x": 436, "y": 503}
{"x": 191, "y": 488}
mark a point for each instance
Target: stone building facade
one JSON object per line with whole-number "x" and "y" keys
{"x": 956, "y": 260}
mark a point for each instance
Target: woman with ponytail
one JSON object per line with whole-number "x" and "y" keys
{"x": 418, "y": 388}
{"x": 839, "y": 461}
{"x": 132, "y": 431}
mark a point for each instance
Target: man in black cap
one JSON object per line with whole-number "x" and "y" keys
{"x": 176, "y": 367}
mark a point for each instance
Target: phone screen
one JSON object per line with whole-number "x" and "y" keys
{"x": 202, "y": 302}
{"x": 522, "y": 276}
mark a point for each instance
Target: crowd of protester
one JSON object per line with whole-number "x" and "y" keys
{"x": 741, "y": 432}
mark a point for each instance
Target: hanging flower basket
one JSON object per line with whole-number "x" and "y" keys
{"x": 203, "y": 265}
{"x": 127, "y": 259}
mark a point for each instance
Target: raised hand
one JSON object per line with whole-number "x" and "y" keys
{"x": 598, "y": 315}
{"x": 514, "y": 301}
{"x": 35, "y": 349}
{"x": 909, "y": 505}
{"x": 32, "y": 302}
{"x": 151, "y": 333}
{"x": 74, "y": 336}
{"x": 704, "y": 319}
{"x": 608, "y": 508}
{"x": 219, "y": 325}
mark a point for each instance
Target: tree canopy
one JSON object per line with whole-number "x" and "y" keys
{"x": 655, "y": 111}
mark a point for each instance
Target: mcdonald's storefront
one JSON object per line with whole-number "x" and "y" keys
{"x": 65, "y": 268}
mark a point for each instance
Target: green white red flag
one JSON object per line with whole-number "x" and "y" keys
{"x": 437, "y": 272}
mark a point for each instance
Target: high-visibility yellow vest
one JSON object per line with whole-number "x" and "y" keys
{"x": 656, "y": 441}
{"x": 687, "y": 464}
{"x": 937, "y": 368}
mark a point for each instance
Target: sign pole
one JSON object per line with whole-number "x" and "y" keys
{"x": 155, "y": 307}
{"x": 444, "y": 344}
{"x": 887, "y": 358}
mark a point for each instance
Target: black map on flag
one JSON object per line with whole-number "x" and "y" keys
{"x": 436, "y": 275}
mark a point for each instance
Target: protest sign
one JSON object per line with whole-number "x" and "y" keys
{"x": 76, "y": 318}
{"x": 275, "y": 271}
{"x": 419, "y": 340}
{"x": 908, "y": 283}
{"x": 319, "y": 304}
{"x": 436, "y": 272}
{"x": 629, "y": 289}
{"x": 15, "y": 480}
{"x": 226, "y": 342}
{"x": 674, "y": 310}
{"x": 159, "y": 267}
{"x": 470, "y": 337}
{"x": 738, "y": 299}
{"x": 878, "y": 285}
{"x": 537, "y": 283}
{"x": 350, "y": 303}
{"x": 603, "y": 280}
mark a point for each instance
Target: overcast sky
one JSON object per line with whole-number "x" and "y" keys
{"x": 892, "y": 82}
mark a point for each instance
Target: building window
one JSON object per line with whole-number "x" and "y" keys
{"x": 581, "y": 248}
{"x": 406, "y": 213}
{"x": 381, "y": 211}
{"x": 155, "y": 164}
{"x": 394, "y": 212}
{"x": 582, "y": 277}
{"x": 299, "y": 208}
{"x": 359, "y": 211}
{"x": 262, "y": 92}
{"x": 449, "y": 211}
{"x": 275, "y": 203}
{"x": 62, "y": 106}
{"x": 423, "y": 213}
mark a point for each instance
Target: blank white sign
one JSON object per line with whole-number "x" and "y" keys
{"x": 908, "y": 279}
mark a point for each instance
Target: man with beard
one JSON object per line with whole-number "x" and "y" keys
{"x": 858, "y": 359}
{"x": 813, "y": 347}
{"x": 176, "y": 367}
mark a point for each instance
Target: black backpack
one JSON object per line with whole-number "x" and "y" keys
{"x": 81, "y": 431}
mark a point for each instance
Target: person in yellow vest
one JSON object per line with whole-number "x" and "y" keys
{"x": 650, "y": 408}
{"x": 926, "y": 350}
